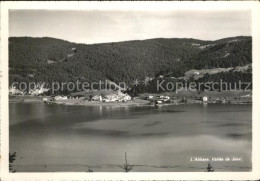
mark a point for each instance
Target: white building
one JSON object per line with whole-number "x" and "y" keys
{"x": 97, "y": 98}
{"x": 45, "y": 98}
{"x": 150, "y": 97}
{"x": 111, "y": 98}
{"x": 205, "y": 99}
{"x": 60, "y": 97}
{"x": 127, "y": 97}
{"x": 14, "y": 91}
{"x": 117, "y": 97}
{"x": 38, "y": 90}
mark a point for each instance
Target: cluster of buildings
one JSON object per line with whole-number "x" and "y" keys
{"x": 54, "y": 98}
{"x": 96, "y": 96}
{"x": 162, "y": 99}
{"x": 14, "y": 91}
{"x": 110, "y": 97}
{"x": 119, "y": 97}
{"x": 159, "y": 99}
{"x": 36, "y": 91}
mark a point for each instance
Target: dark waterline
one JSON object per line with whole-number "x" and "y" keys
{"x": 74, "y": 138}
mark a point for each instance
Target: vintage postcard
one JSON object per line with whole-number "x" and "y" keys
{"x": 161, "y": 90}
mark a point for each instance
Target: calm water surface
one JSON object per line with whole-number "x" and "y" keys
{"x": 75, "y": 138}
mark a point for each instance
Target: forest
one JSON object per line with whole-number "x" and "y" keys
{"x": 53, "y": 60}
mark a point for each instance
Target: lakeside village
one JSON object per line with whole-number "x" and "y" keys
{"x": 112, "y": 97}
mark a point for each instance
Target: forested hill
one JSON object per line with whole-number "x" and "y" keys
{"x": 48, "y": 59}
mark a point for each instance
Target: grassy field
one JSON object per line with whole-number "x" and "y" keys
{"x": 25, "y": 98}
{"x": 213, "y": 94}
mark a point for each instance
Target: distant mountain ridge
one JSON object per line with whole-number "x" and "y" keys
{"x": 49, "y": 59}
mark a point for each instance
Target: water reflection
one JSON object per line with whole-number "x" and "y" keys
{"x": 69, "y": 138}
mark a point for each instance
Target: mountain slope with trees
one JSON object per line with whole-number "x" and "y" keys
{"x": 53, "y": 60}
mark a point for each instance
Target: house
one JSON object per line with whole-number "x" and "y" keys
{"x": 57, "y": 97}
{"x": 163, "y": 98}
{"x": 123, "y": 97}
{"x": 39, "y": 90}
{"x": 127, "y": 97}
{"x": 205, "y": 99}
{"x": 14, "y": 91}
{"x": 60, "y": 97}
{"x": 159, "y": 102}
{"x": 166, "y": 97}
{"x": 64, "y": 97}
{"x": 117, "y": 97}
{"x": 111, "y": 98}
{"x": 150, "y": 97}
{"x": 97, "y": 98}
{"x": 44, "y": 99}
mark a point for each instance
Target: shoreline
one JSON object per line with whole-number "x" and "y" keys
{"x": 137, "y": 102}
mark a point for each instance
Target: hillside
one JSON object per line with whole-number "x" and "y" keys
{"x": 48, "y": 59}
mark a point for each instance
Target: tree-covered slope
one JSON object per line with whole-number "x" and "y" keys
{"x": 49, "y": 59}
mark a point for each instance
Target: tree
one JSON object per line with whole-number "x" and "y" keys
{"x": 210, "y": 168}
{"x": 126, "y": 167}
{"x": 12, "y": 158}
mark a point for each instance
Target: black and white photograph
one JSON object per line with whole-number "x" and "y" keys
{"x": 130, "y": 90}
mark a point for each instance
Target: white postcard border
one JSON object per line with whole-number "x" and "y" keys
{"x": 254, "y": 6}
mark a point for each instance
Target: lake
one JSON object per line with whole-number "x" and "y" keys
{"x": 55, "y": 138}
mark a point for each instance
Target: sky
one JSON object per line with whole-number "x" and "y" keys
{"x": 96, "y": 26}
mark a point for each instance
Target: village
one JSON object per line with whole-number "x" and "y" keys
{"x": 111, "y": 97}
